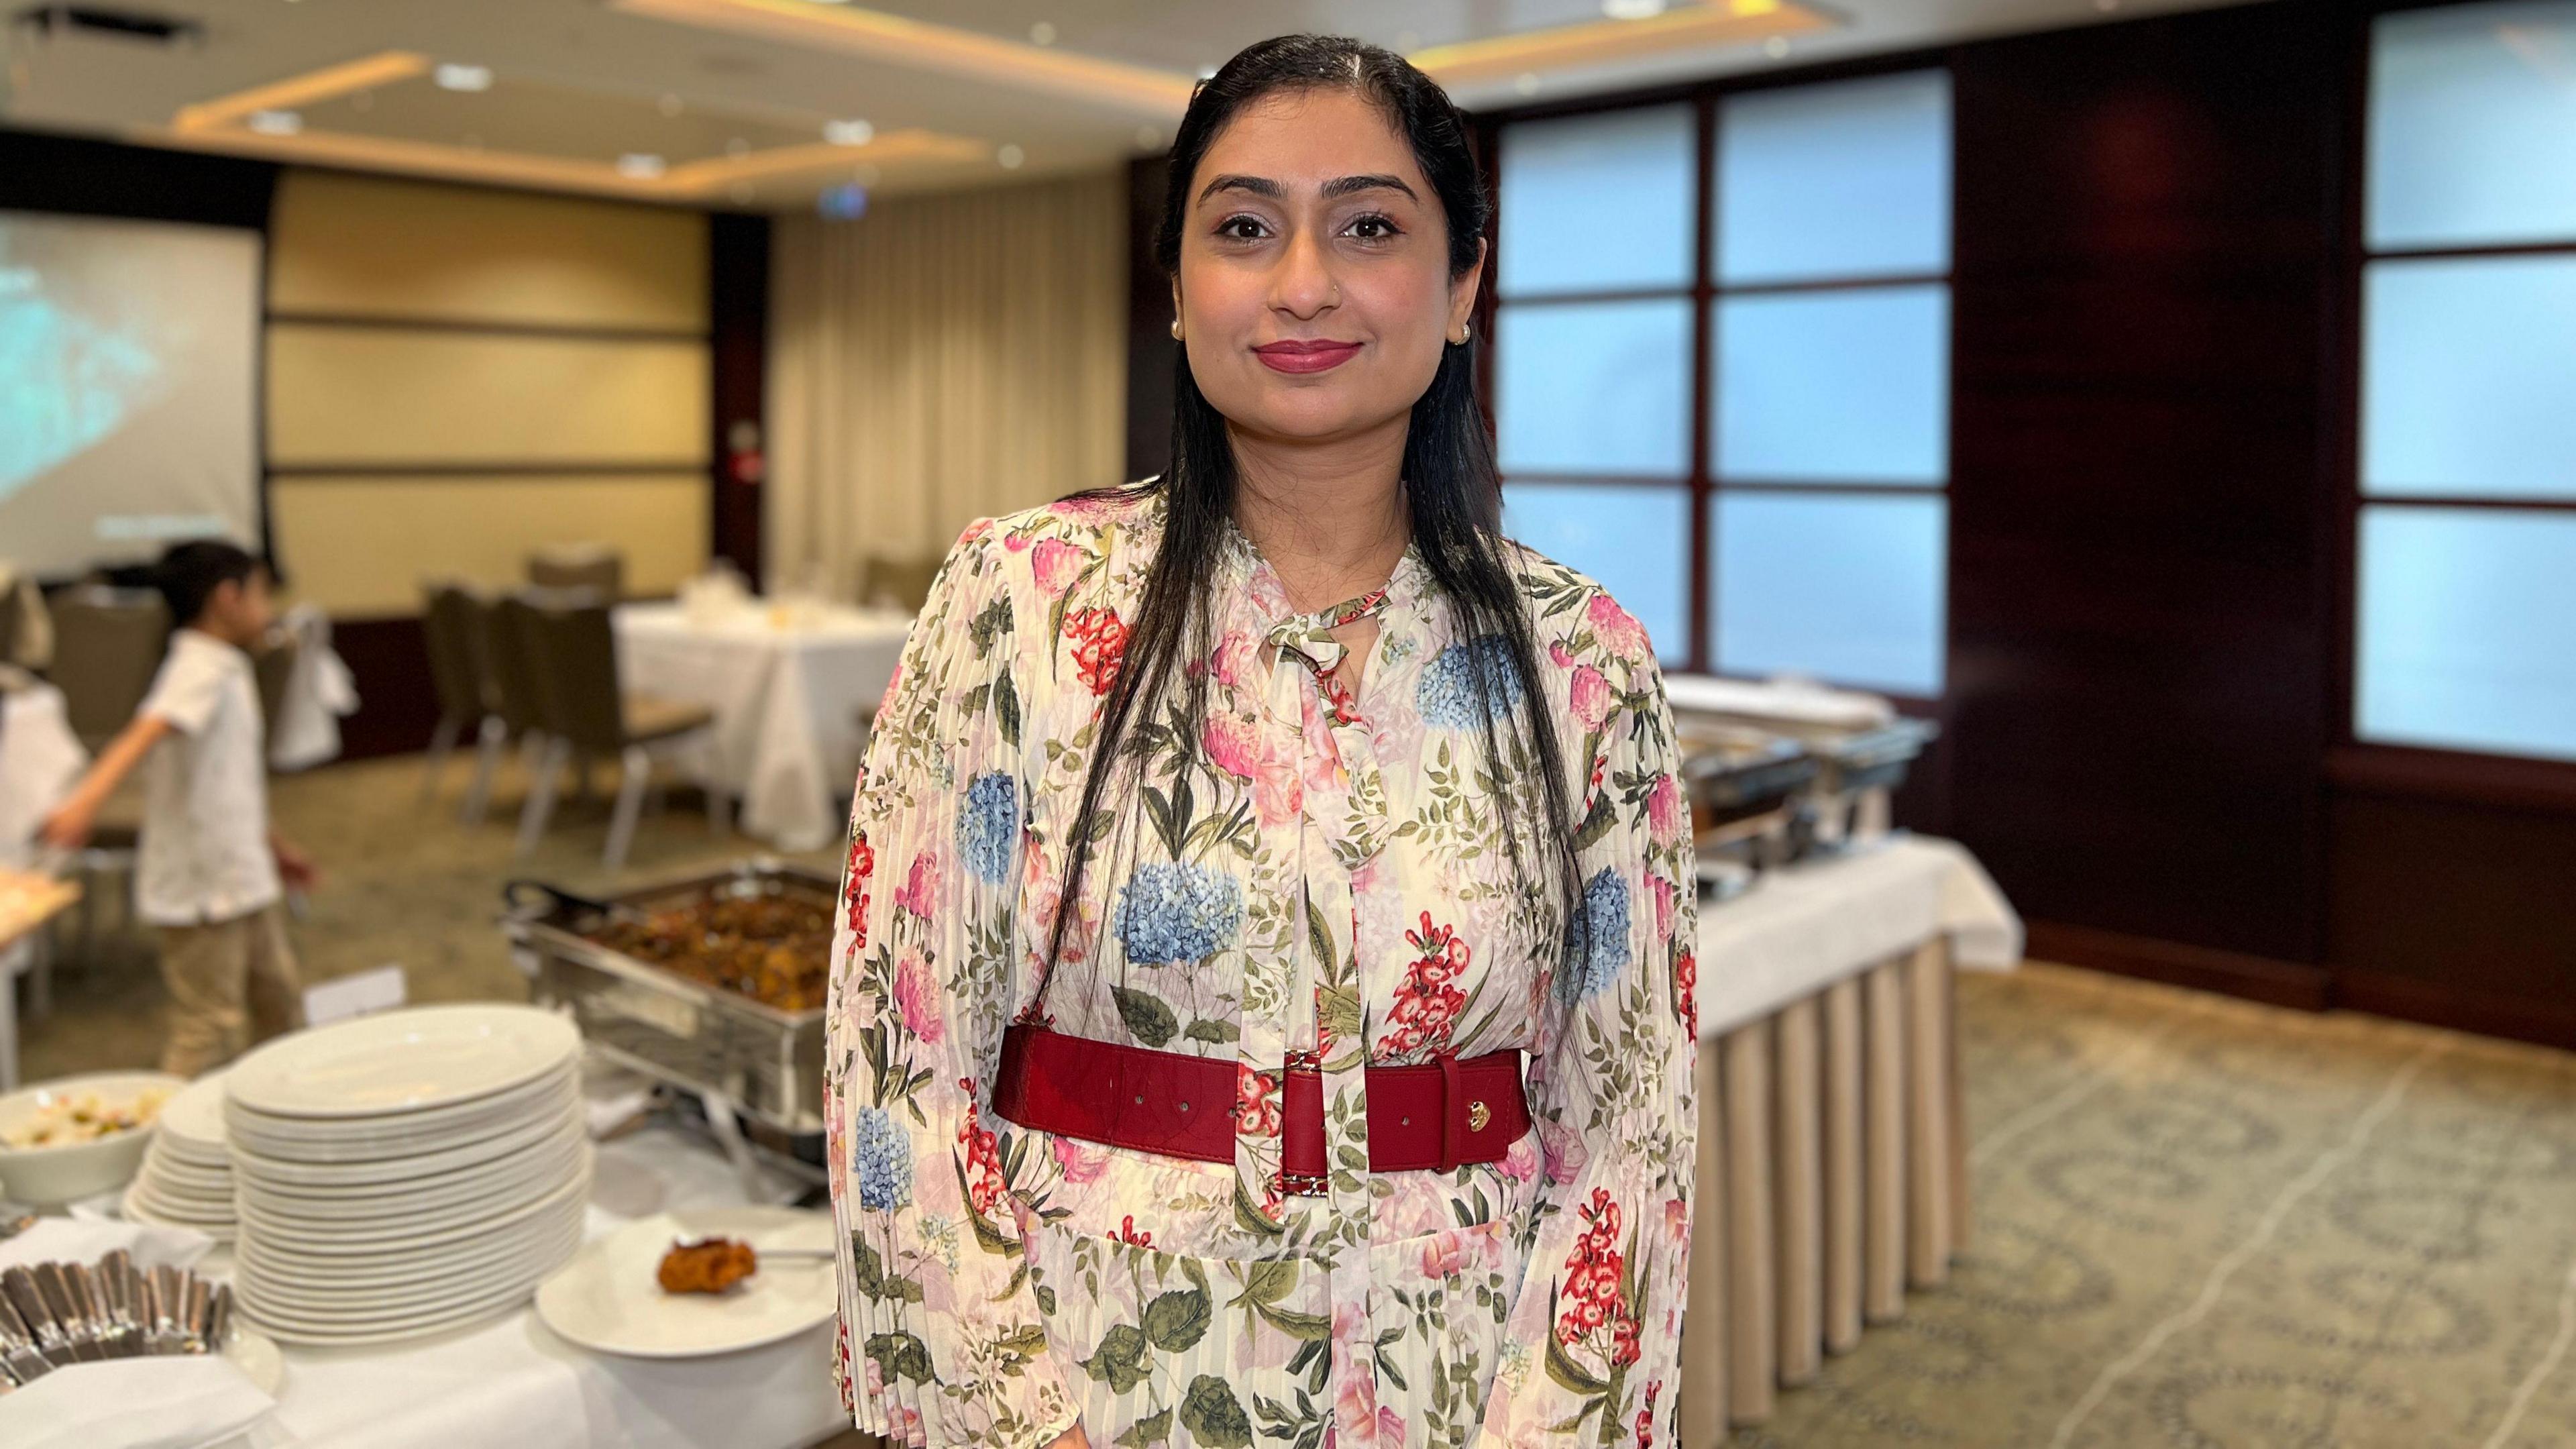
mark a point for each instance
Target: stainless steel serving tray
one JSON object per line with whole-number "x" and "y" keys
{"x": 697, "y": 1037}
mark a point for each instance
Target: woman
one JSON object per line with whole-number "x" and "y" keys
{"x": 1229, "y": 843}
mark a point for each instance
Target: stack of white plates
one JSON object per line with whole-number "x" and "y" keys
{"x": 407, "y": 1173}
{"x": 187, "y": 1176}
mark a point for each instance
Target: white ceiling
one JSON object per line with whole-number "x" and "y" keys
{"x": 579, "y": 83}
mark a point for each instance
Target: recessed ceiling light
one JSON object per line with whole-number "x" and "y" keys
{"x": 1526, "y": 83}
{"x": 849, "y": 133}
{"x": 1777, "y": 47}
{"x": 1041, "y": 34}
{"x": 1631, "y": 9}
{"x": 276, "y": 123}
{"x": 1010, "y": 156}
{"x": 463, "y": 77}
{"x": 639, "y": 164}
{"x": 669, "y": 104}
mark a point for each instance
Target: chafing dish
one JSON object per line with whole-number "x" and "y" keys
{"x": 695, "y": 1034}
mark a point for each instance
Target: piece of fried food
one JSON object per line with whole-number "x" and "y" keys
{"x": 710, "y": 1266}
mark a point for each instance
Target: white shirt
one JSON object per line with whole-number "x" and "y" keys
{"x": 205, "y": 855}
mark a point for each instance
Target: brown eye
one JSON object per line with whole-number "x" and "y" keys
{"x": 1240, "y": 228}
{"x": 1374, "y": 228}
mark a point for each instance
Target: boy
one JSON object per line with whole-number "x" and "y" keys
{"x": 211, "y": 873}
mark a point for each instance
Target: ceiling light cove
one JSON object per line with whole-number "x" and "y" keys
{"x": 454, "y": 77}
{"x": 282, "y": 121}
{"x": 923, "y": 45}
{"x": 1632, "y": 31}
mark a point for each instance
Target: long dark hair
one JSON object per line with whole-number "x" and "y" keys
{"x": 1452, "y": 489}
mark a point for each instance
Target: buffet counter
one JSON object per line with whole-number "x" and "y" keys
{"x": 1833, "y": 1142}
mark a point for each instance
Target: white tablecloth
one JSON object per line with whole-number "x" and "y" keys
{"x": 787, "y": 702}
{"x": 514, "y": 1384}
{"x": 1802, "y": 928}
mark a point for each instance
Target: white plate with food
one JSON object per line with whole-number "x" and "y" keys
{"x": 403, "y": 1061}
{"x": 610, "y": 1297}
{"x": 78, "y": 1136}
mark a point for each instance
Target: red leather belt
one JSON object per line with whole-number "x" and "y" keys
{"x": 1433, "y": 1116}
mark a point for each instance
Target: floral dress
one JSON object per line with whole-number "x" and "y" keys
{"x": 1318, "y": 876}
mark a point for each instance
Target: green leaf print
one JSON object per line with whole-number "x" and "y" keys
{"x": 1212, "y": 1413}
{"x": 1209, "y": 1029}
{"x": 1146, "y": 1015}
{"x": 1177, "y": 1320}
{"x": 989, "y": 624}
{"x": 1006, "y": 709}
{"x": 1120, "y": 1360}
{"x": 1269, "y": 1281}
{"x": 1154, "y": 1428}
{"x": 900, "y": 1355}
{"x": 1566, "y": 1371}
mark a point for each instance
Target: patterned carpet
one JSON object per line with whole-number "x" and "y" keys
{"x": 2200, "y": 1223}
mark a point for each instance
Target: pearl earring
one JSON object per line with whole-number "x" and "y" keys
{"x": 1176, "y": 329}
{"x": 1465, "y": 331}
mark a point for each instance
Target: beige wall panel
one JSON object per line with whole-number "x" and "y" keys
{"x": 371, "y": 247}
{"x": 364, "y": 395}
{"x": 360, "y": 546}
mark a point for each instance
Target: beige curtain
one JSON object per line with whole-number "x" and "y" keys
{"x": 942, "y": 359}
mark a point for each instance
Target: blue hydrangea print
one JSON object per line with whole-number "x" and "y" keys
{"x": 1174, "y": 912}
{"x": 1465, "y": 683}
{"x": 1594, "y": 958}
{"x": 881, "y": 1157}
{"x": 988, "y": 827}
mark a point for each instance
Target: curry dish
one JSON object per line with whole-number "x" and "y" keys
{"x": 771, "y": 948}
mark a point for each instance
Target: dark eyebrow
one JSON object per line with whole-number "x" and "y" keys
{"x": 1338, "y": 187}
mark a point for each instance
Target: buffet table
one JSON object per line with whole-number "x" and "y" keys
{"x": 789, "y": 690}
{"x": 1833, "y": 1144}
{"x": 513, "y": 1382}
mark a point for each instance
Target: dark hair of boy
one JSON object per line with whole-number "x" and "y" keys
{"x": 190, "y": 573}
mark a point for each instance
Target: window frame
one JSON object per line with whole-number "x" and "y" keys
{"x": 1704, "y": 293}
{"x": 2468, "y": 775}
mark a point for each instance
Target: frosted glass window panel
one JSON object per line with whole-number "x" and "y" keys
{"x": 2473, "y": 126}
{"x": 1840, "y": 588}
{"x": 1605, "y": 203}
{"x": 1634, "y": 541}
{"x": 1595, "y": 388}
{"x": 2468, "y": 630}
{"x": 1834, "y": 387}
{"x": 1849, "y": 179}
{"x": 2469, "y": 378}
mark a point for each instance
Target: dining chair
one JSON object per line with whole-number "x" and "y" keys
{"x": 899, "y": 583}
{"x": 451, "y": 625}
{"x": 108, "y": 644}
{"x": 593, "y": 566}
{"x": 507, "y": 650}
{"x": 587, "y": 712}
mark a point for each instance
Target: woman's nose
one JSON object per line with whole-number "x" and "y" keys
{"x": 1303, "y": 284}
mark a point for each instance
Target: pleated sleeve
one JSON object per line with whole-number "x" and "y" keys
{"x": 941, "y": 1338}
{"x": 1600, "y": 1304}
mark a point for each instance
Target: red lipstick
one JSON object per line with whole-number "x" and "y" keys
{"x": 1305, "y": 354}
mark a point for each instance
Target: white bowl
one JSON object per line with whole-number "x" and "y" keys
{"x": 52, "y": 1175}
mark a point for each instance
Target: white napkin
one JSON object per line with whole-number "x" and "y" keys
{"x": 86, "y": 1240}
{"x": 178, "y": 1402}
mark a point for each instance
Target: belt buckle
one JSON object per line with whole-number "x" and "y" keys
{"x": 1300, "y": 1184}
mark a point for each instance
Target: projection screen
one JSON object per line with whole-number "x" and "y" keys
{"x": 127, "y": 388}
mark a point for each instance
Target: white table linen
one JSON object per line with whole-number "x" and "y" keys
{"x": 1806, "y": 926}
{"x": 788, "y": 701}
{"x": 320, "y": 692}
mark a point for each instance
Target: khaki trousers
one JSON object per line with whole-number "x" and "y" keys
{"x": 233, "y": 984}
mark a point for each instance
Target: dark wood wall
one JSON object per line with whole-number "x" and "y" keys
{"x": 2139, "y": 700}
{"x": 2153, "y": 409}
